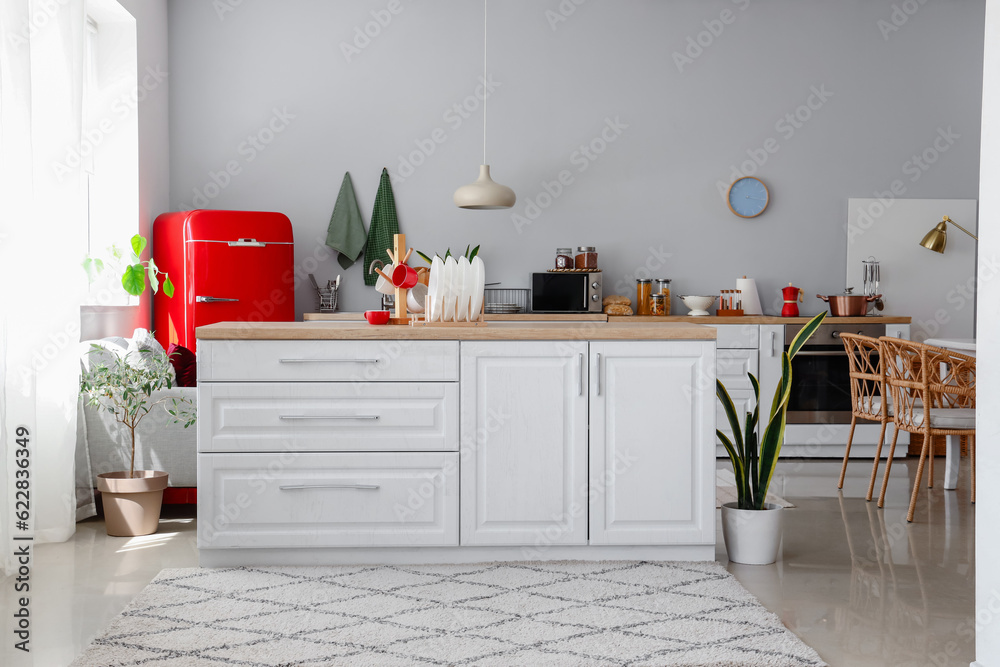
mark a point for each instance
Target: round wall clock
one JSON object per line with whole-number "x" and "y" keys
{"x": 748, "y": 197}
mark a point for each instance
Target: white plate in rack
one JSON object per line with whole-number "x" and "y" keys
{"x": 479, "y": 287}
{"x": 434, "y": 289}
{"x": 448, "y": 290}
{"x": 463, "y": 289}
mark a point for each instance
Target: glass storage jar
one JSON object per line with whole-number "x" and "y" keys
{"x": 663, "y": 287}
{"x": 586, "y": 257}
{"x": 643, "y": 289}
{"x": 656, "y": 304}
{"x": 564, "y": 258}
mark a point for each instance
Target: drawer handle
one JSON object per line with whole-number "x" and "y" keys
{"x": 365, "y": 417}
{"x": 297, "y": 487}
{"x": 328, "y": 361}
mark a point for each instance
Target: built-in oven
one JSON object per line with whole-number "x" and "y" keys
{"x": 567, "y": 292}
{"x": 821, "y": 389}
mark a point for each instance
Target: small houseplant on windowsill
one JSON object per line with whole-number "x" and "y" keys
{"x": 134, "y": 272}
{"x": 751, "y": 527}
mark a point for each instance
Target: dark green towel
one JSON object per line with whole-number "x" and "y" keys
{"x": 346, "y": 233}
{"x": 382, "y": 228}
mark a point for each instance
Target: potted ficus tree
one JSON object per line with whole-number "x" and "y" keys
{"x": 129, "y": 391}
{"x": 751, "y": 527}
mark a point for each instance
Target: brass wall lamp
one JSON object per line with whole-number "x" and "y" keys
{"x": 937, "y": 238}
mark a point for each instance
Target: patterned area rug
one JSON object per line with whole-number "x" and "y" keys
{"x": 539, "y": 613}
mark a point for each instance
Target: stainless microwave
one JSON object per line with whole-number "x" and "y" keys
{"x": 567, "y": 292}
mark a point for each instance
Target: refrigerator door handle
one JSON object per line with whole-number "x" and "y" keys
{"x": 243, "y": 243}
{"x": 212, "y": 299}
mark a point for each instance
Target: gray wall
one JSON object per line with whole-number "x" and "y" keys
{"x": 652, "y": 191}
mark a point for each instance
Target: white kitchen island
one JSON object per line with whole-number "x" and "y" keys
{"x": 341, "y": 442}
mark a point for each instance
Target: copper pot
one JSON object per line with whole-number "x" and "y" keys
{"x": 848, "y": 304}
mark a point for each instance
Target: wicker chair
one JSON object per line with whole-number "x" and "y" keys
{"x": 868, "y": 391}
{"x": 915, "y": 380}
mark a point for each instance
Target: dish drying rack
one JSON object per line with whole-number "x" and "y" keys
{"x": 506, "y": 301}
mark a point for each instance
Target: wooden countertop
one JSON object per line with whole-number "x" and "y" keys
{"x": 635, "y": 319}
{"x": 495, "y": 331}
{"x": 759, "y": 319}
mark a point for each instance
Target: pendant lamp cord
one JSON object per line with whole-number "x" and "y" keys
{"x": 486, "y": 94}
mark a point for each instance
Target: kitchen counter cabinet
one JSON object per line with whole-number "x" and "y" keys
{"x": 318, "y": 444}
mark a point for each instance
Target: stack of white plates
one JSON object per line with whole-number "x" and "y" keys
{"x": 456, "y": 289}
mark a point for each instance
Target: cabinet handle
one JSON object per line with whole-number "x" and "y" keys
{"x": 328, "y": 361}
{"x": 365, "y": 417}
{"x": 581, "y": 374}
{"x": 598, "y": 373}
{"x": 297, "y": 487}
{"x": 773, "y": 336}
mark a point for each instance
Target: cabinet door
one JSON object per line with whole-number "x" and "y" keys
{"x": 524, "y": 443}
{"x": 652, "y": 443}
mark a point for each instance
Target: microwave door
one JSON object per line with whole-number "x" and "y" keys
{"x": 554, "y": 293}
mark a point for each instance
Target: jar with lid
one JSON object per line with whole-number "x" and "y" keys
{"x": 657, "y": 304}
{"x": 586, "y": 257}
{"x": 643, "y": 289}
{"x": 663, "y": 287}
{"x": 564, "y": 258}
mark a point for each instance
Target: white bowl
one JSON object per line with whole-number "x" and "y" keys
{"x": 699, "y": 305}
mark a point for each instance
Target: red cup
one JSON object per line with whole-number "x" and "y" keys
{"x": 377, "y": 316}
{"x": 403, "y": 276}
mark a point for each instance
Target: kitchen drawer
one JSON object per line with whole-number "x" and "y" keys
{"x": 732, "y": 367}
{"x": 327, "y": 360}
{"x": 327, "y": 500}
{"x": 736, "y": 336}
{"x": 327, "y": 416}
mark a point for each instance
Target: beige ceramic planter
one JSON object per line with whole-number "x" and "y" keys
{"x": 132, "y": 504}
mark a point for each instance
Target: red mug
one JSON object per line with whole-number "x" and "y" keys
{"x": 377, "y": 316}
{"x": 404, "y": 277}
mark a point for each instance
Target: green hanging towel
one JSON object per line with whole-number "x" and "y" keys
{"x": 384, "y": 225}
{"x": 346, "y": 233}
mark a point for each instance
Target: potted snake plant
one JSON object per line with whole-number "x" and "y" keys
{"x": 751, "y": 527}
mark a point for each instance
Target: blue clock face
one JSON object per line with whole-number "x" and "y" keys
{"x": 747, "y": 197}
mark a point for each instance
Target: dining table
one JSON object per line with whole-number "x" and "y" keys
{"x": 953, "y": 451}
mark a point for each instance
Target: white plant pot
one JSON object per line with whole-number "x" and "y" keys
{"x": 752, "y": 536}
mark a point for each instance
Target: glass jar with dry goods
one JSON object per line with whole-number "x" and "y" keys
{"x": 586, "y": 257}
{"x": 657, "y": 304}
{"x": 643, "y": 290}
{"x": 663, "y": 287}
{"x": 564, "y": 258}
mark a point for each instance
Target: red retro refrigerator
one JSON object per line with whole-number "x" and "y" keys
{"x": 226, "y": 266}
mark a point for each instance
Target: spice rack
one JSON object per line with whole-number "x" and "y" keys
{"x": 730, "y": 303}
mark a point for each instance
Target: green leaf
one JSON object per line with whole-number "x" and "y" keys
{"x": 134, "y": 279}
{"x": 153, "y": 270}
{"x": 466, "y": 255}
{"x": 738, "y": 469}
{"x": 425, "y": 257}
{"x": 168, "y": 287}
{"x": 774, "y": 434}
{"x": 804, "y": 334}
{"x": 447, "y": 253}
{"x": 734, "y": 421}
{"x": 475, "y": 251}
{"x": 93, "y": 267}
{"x": 138, "y": 244}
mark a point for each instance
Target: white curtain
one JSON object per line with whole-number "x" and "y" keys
{"x": 42, "y": 241}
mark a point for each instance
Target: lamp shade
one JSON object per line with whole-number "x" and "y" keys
{"x": 484, "y": 193}
{"x": 937, "y": 238}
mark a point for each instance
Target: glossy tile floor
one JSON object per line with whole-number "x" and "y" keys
{"x": 856, "y": 583}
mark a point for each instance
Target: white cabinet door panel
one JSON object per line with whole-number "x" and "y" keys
{"x": 652, "y": 443}
{"x": 328, "y": 416}
{"x": 524, "y": 443}
{"x": 297, "y": 499}
{"x": 732, "y": 367}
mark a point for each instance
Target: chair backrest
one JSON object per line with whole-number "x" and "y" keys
{"x": 951, "y": 376}
{"x": 906, "y": 372}
{"x": 867, "y": 372}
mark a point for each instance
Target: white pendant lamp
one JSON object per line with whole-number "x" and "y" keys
{"x": 484, "y": 193}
